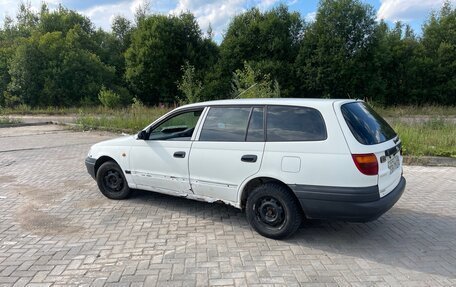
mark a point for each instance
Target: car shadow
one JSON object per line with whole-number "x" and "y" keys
{"x": 213, "y": 211}
{"x": 401, "y": 238}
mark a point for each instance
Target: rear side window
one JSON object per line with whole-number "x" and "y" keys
{"x": 225, "y": 124}
{"x": 255, "y": 132}
{"x": 366, "y": 125}
{"x": 294, "y": 124}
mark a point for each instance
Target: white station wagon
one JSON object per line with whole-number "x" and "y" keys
{"x": 280, "y": 160}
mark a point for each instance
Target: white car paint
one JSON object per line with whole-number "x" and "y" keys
{"x": 385, "y": 181}
{"x": 216, "y": 170}
{"x": 116, "y": 149}
{"x": 212, "y": 171}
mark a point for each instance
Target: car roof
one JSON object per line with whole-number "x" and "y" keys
{"x": 272, "y": 101}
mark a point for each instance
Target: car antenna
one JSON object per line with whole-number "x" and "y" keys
{"x": 237, "y": 97}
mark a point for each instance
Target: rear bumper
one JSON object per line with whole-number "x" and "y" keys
{"x": 348, "y": 204}
{"x": 90, "y": 165}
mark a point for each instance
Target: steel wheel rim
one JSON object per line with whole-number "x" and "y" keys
{"x": 113, "y": 181}
{"x": 270, "y": 212}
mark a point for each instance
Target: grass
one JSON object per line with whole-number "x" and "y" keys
{"x": 59, "y": 111}
{"x": 129, "y": 120}
{"x": 397, "y": 111}
{"x": 26, "y": 110}
{"x": 413, "y": 111}
{"x": 8, "y": 121}
{"x": 435, "y": 137}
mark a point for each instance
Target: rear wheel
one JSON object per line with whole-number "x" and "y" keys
{"x": 273, "y": 211}
{"x": 111, "y": 181}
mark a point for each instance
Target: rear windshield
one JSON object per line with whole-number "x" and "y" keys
{"x": 366, "y": 125}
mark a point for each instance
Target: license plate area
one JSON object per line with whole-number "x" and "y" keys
{"x": 393, "y": 162}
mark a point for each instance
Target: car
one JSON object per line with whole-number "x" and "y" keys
{"x": 279, "y": 160}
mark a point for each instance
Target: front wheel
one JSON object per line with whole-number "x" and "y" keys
{"x": 111, "y": 181}
{"x": 273, "y": 211}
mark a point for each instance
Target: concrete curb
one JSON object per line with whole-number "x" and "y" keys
{"x": 408, "y": 160}
{"x": 76, "y": 126}
{"x": 430, "y": 161}
{"x": 16, "y": 125}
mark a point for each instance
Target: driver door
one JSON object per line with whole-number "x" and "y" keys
{"x": 160, "y": 163}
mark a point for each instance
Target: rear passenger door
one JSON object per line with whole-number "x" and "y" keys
{"x": 297, "y": 150}
{"x": 229, "y": 150}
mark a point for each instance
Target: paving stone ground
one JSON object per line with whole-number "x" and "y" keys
{"x": 56, "y": 229}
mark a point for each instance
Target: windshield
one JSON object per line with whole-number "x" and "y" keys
{"x": 366, "y": 125}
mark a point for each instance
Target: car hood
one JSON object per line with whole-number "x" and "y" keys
{"x": 121, "y": 141}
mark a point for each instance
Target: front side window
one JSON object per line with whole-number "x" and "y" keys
{"x": 286, "y": 123}
{"x": 179, "y": 127}
{"x": 226, "y": 124}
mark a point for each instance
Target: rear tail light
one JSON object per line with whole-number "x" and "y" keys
{"x": 366, "y": 163}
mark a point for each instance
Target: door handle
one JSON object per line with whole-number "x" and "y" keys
{"x": 249, "y": 158}
{"x": 179, "y": 154}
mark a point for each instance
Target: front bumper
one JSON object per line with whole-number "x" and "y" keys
{"x": 354, "y": 205}
{"x": 90, "y": 165}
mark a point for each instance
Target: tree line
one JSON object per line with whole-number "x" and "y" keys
{"x": 58, "y": 58}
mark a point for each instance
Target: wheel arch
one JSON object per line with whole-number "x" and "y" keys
{"x": 101, "y": 160}
{"x": 257, "y": 181}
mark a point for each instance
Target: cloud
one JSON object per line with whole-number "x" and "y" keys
{"x": 310, "y": 17}
{"x": 292, "y": 2}
{"x": 409, "y": 10}
{"x": 11, "y": 7}
{"x": 218, "y": 13}
{"x": 264, "y": 5}
{"x": 102, "y": 15}
{"x": 215, "y": 13}
{"x": 6, "y": 8}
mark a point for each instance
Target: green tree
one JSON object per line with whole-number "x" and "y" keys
{"x": 57, "y": 57}
{"x": 53, "y": 69}
{"x": 25, "y": 69}
{"x": 4, "y": 75}
{"x": 26, "y": 19}
{"x": 269, "y": 41}
{"x": 399, "y": 58}
{"x": 121, "y": 30}
{"x": 142, "y": 11}
{"x": 439, "y": 41}
{"x": 52, "y": 58}
{"x": 189, "y": 85}
{"x": 160, "y": 46}
{"x": 7, "y": 49}
{"x": 336, "y": 52}
{"x": 63, "y": 20}
{"x": 247, "y": 83}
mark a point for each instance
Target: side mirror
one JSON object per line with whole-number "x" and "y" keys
{"x": 142, "y": 135}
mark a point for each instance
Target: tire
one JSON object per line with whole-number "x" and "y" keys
{"x": 273, "y": 211}
{"x": 111, "y": 181}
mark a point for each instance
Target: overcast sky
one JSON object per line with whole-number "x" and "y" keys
{"x": 219, "y": 12}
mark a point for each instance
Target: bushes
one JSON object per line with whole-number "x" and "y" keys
{"x": 108, "y": 98}
{"x": 119, "y": 97}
